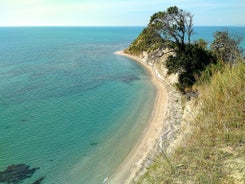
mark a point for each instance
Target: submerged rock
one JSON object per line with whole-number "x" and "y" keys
{"x": 94, "y": 143}
{"x": 128, "y": 79}
{"x": 15, "y": 174}
{"x": 23, "y": 120}
{"x": 39, "y": 181}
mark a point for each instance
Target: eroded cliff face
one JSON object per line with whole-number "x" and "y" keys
{"x": 180, "y": 109}
{"x": 189, "y": 112}
{"x": 179, "y": 112}
{"x": 157, "y": 60}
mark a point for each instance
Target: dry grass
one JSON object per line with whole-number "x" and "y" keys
{"x": 215, "y": 151}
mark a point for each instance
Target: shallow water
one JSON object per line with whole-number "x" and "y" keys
{"x": 68, "y": 105}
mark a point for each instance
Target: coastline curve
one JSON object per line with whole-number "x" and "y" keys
{"x": 151, "y": 135}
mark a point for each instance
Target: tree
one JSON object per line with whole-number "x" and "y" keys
{"x": 189, "y": 64}
{"x": 226, "y": 47}
{"x": 174, "y": 25}
{"x": 202, "y": 43}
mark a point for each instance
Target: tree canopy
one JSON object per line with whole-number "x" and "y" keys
{"x": 174, "y": 25}
{"x": 189, "y": 64}
{"x": 226, "y": 47}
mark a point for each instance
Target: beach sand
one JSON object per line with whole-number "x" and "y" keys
{"x": 133, "y": 163}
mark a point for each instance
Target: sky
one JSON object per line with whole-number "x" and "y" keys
{"x": 116, "y": 12}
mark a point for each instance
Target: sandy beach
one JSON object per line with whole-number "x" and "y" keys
{"x": 133, "y": 163}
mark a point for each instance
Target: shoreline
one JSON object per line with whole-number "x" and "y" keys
{"x": 135, "y": 160}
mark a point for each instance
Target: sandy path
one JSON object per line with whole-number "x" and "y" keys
{"x": 150, "y": 136}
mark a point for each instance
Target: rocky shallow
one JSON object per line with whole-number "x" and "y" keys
{"x": 15, "y": 174}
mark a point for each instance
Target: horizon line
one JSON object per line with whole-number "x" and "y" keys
{"x": 8, "y": 26}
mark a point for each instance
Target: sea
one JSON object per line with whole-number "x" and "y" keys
{"x": 70, "y": 109}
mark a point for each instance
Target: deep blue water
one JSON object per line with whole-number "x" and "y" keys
{"x": 68, "y": 105}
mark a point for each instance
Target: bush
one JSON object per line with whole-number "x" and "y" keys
{"x": 189, "y": 64}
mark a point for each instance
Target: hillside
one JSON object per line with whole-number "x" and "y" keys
{"x": 209, "y": 146}
{"x": 212, "y": 149}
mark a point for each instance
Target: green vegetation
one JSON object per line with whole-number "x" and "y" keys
{"x": 215, "y": 150}
{"x": 226, "y": 47}
{"x": 149, "y": 40}
{"x": 174, "y": 25}
{"x": 189, "y": 63}
{"x": 173, "y": 29}
{"x": 165, "y": 29}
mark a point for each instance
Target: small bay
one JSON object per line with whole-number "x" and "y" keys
{"x": 69, "y": 107}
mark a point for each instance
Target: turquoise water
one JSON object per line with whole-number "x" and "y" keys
{"x": 68, "y": 105}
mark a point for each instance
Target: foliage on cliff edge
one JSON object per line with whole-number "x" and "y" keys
{"x": 148, "y": 40}
{"x": 173, "y": 29}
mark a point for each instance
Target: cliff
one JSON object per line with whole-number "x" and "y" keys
{"x": 203, "y": 138}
